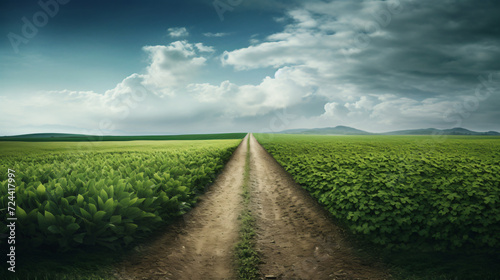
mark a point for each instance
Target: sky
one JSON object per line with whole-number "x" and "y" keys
{"x": 202, "y": 66}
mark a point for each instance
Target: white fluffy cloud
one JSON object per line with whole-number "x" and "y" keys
{"x": 287, "y": 88}
{"x": 203, "y": 48}
{"x": 379, "y": 112}
{"x": 218, "y": 34}
{"x": 176, "y": 32}
{"x": 363, "y": 64}
{"x": 172, "y": 66}
{"x": 167, "y": 98}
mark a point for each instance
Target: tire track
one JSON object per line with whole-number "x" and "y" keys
{"x": 295, "y": 237}
{"x": 201, "y": 246}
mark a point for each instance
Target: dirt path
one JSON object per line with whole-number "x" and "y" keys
{"x": 201, "y": 246}
{"x": 295, "y": 237}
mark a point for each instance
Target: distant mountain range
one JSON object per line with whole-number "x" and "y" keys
{"x": 345, "y": 130}
{"x": 338, "y": 130}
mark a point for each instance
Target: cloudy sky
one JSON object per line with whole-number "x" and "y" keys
{"x": 202, "y": 66}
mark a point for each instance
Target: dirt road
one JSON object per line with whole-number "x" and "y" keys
{"x": 295, "y": 238}
{"x": 201, "y": 246}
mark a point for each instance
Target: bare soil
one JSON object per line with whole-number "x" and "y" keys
{"x": 295, "y": 237}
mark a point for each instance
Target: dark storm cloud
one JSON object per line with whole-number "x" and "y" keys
{"x": 384, "y": 64}
{"x": 432, "y": 41}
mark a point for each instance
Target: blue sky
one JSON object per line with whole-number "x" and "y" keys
{"x": 163, "y": 67}
{"x": 90, "y": 45}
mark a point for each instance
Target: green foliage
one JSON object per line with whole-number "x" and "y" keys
{"x": 106, "y": 197}
{"x": 401, "y": 192}
{"x": 246, "y": 257}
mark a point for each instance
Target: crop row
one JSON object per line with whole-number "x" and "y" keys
{"x": 65, "y": 200}
{"x": 401, "y": 192}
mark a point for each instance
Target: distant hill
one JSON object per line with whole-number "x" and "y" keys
{"x": 338, "y": 130}
{"x": 423, "y": 131}
{"x": 46, "y": 135}
{"x": 345, "y": 130}
{"x": 434, "y": 131}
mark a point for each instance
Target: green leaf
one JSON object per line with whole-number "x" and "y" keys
{"x": 99, "y": 215}
{"x": 92, "y": 209}
{"x": 64, "y": 203}
{"x": 116, "y": 219}
{"x": 79, "y": 237}
{"x": 130, "y": 227}
{"x": 73, "y": 227}
{"x": 20, "y": 213}
{"x": 40, "y": 190}
{"x": 100, "y": 202}
{"x": 85, "y": 214}
{"x": 125, "y": 202}
{"x": 59, "y": 191}
{"x": 133, "y": 201}
{"x": 111, "y": 191}
{"x": 108, "y": 206}
{"x": 49, "y": 218}
{"x": 118, "y": 229}
{"x": 54, "y": 229}
{"x": 79, "y": 200}
{"x": 41, "y": 220}
{"x": 103, "y": 194}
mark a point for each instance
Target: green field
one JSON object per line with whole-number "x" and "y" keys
{"x": 93, "y": 195}
{"x": 404, "y": 192}
{"x": 431, "y": 205}
{"x": 105, "y": 193}
{"x": 411, "y": 195}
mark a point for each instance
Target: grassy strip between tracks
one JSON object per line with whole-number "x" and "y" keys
{"x": 246, "y": 257}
